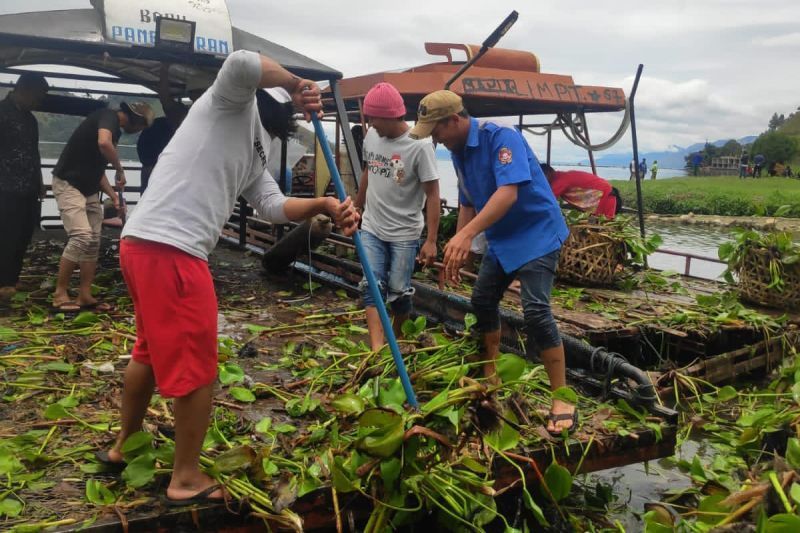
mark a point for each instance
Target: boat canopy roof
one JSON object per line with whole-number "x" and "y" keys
{"x": 75, "y": 38}
{"x": 501, "y": 83}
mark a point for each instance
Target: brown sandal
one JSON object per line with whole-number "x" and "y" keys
{"x": 552, "y": 417}
{"x": 67, "y": 306}
{"x": 97, "y": 307}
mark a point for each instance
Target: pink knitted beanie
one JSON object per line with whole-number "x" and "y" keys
{"x": 384, "y": 101}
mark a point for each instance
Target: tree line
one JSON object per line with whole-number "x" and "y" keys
{"x": 778, "y": 144}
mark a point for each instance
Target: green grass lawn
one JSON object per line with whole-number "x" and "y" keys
{"x": 714, "y": 195}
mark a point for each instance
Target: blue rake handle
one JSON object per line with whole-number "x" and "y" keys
{"x": 373, "y": 284}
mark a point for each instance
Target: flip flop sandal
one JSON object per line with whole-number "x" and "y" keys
{"x": 552, "y": 417}
{"x": 66, "y": 307}
{"x": 98, "y": 307}
{"x": 113, "y": 466}
{"x": 201, "y": 497}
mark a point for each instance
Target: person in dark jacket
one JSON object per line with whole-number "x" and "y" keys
{"x": 21, "y": 187}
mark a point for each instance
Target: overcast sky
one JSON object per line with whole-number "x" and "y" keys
{"x": 713, "y": 68}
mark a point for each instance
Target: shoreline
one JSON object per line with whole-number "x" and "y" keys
{"x": 791, "y": 225}
{"x": 725, "y": 200}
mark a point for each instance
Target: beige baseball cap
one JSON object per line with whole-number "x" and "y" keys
{"x": 433, "y": 108}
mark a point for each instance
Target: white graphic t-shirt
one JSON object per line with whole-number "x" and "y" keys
{"x": 395, "y": 198}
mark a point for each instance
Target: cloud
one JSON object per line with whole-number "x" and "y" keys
{"x": 686, "y": 112}
{"x": 672, "y": 113}
{"x": 788, "y": 39}
{"x": 705, "y": 60}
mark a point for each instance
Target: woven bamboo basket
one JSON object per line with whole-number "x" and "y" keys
{"x": 754, "y": 280}
{"x": 590, "y": 256}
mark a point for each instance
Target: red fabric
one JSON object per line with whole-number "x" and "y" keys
{"x": 607, "y": 207}
{"x": 176, "y": 315}
{"x": 564, "y": 181}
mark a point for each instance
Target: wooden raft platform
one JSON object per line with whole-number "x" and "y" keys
{"x": 629, "y": 323}
{"x": 593, "y": 447}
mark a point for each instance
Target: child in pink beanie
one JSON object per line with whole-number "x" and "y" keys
{"x": 399, "y": 180}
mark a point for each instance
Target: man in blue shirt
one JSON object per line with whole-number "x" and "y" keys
{"x": 503, "y": 192}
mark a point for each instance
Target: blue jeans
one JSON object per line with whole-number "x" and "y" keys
{"x": 392, "y": 263}
{"x": 536, "y": 283}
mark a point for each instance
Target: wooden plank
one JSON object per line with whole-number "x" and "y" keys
{"x": 585, "y": 320}
{"x": 730, "y": 365}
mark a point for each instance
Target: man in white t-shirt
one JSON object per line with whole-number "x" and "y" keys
{"x": 400, "y": 179}
{"x": 218, "y": 153}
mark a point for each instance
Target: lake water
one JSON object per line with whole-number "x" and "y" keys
{"x": 698, "y": 240}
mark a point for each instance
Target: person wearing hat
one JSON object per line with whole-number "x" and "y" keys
{"x": 400, "y": 178}
{"x": 21, "y": 187}
{"x": 78, "y": 177}
{"x": 503, "y": 192}
{"x": 219, "y": 152}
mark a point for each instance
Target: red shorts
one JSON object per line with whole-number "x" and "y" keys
{"x": 176, "y": 315}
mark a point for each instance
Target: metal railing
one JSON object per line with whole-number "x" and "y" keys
{"x": 54, "y": 221}
{"x": 688, "y": 259}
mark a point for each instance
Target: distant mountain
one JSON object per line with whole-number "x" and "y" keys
{"x": 699, "y": 146}
{"x": 675, "y": 158}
